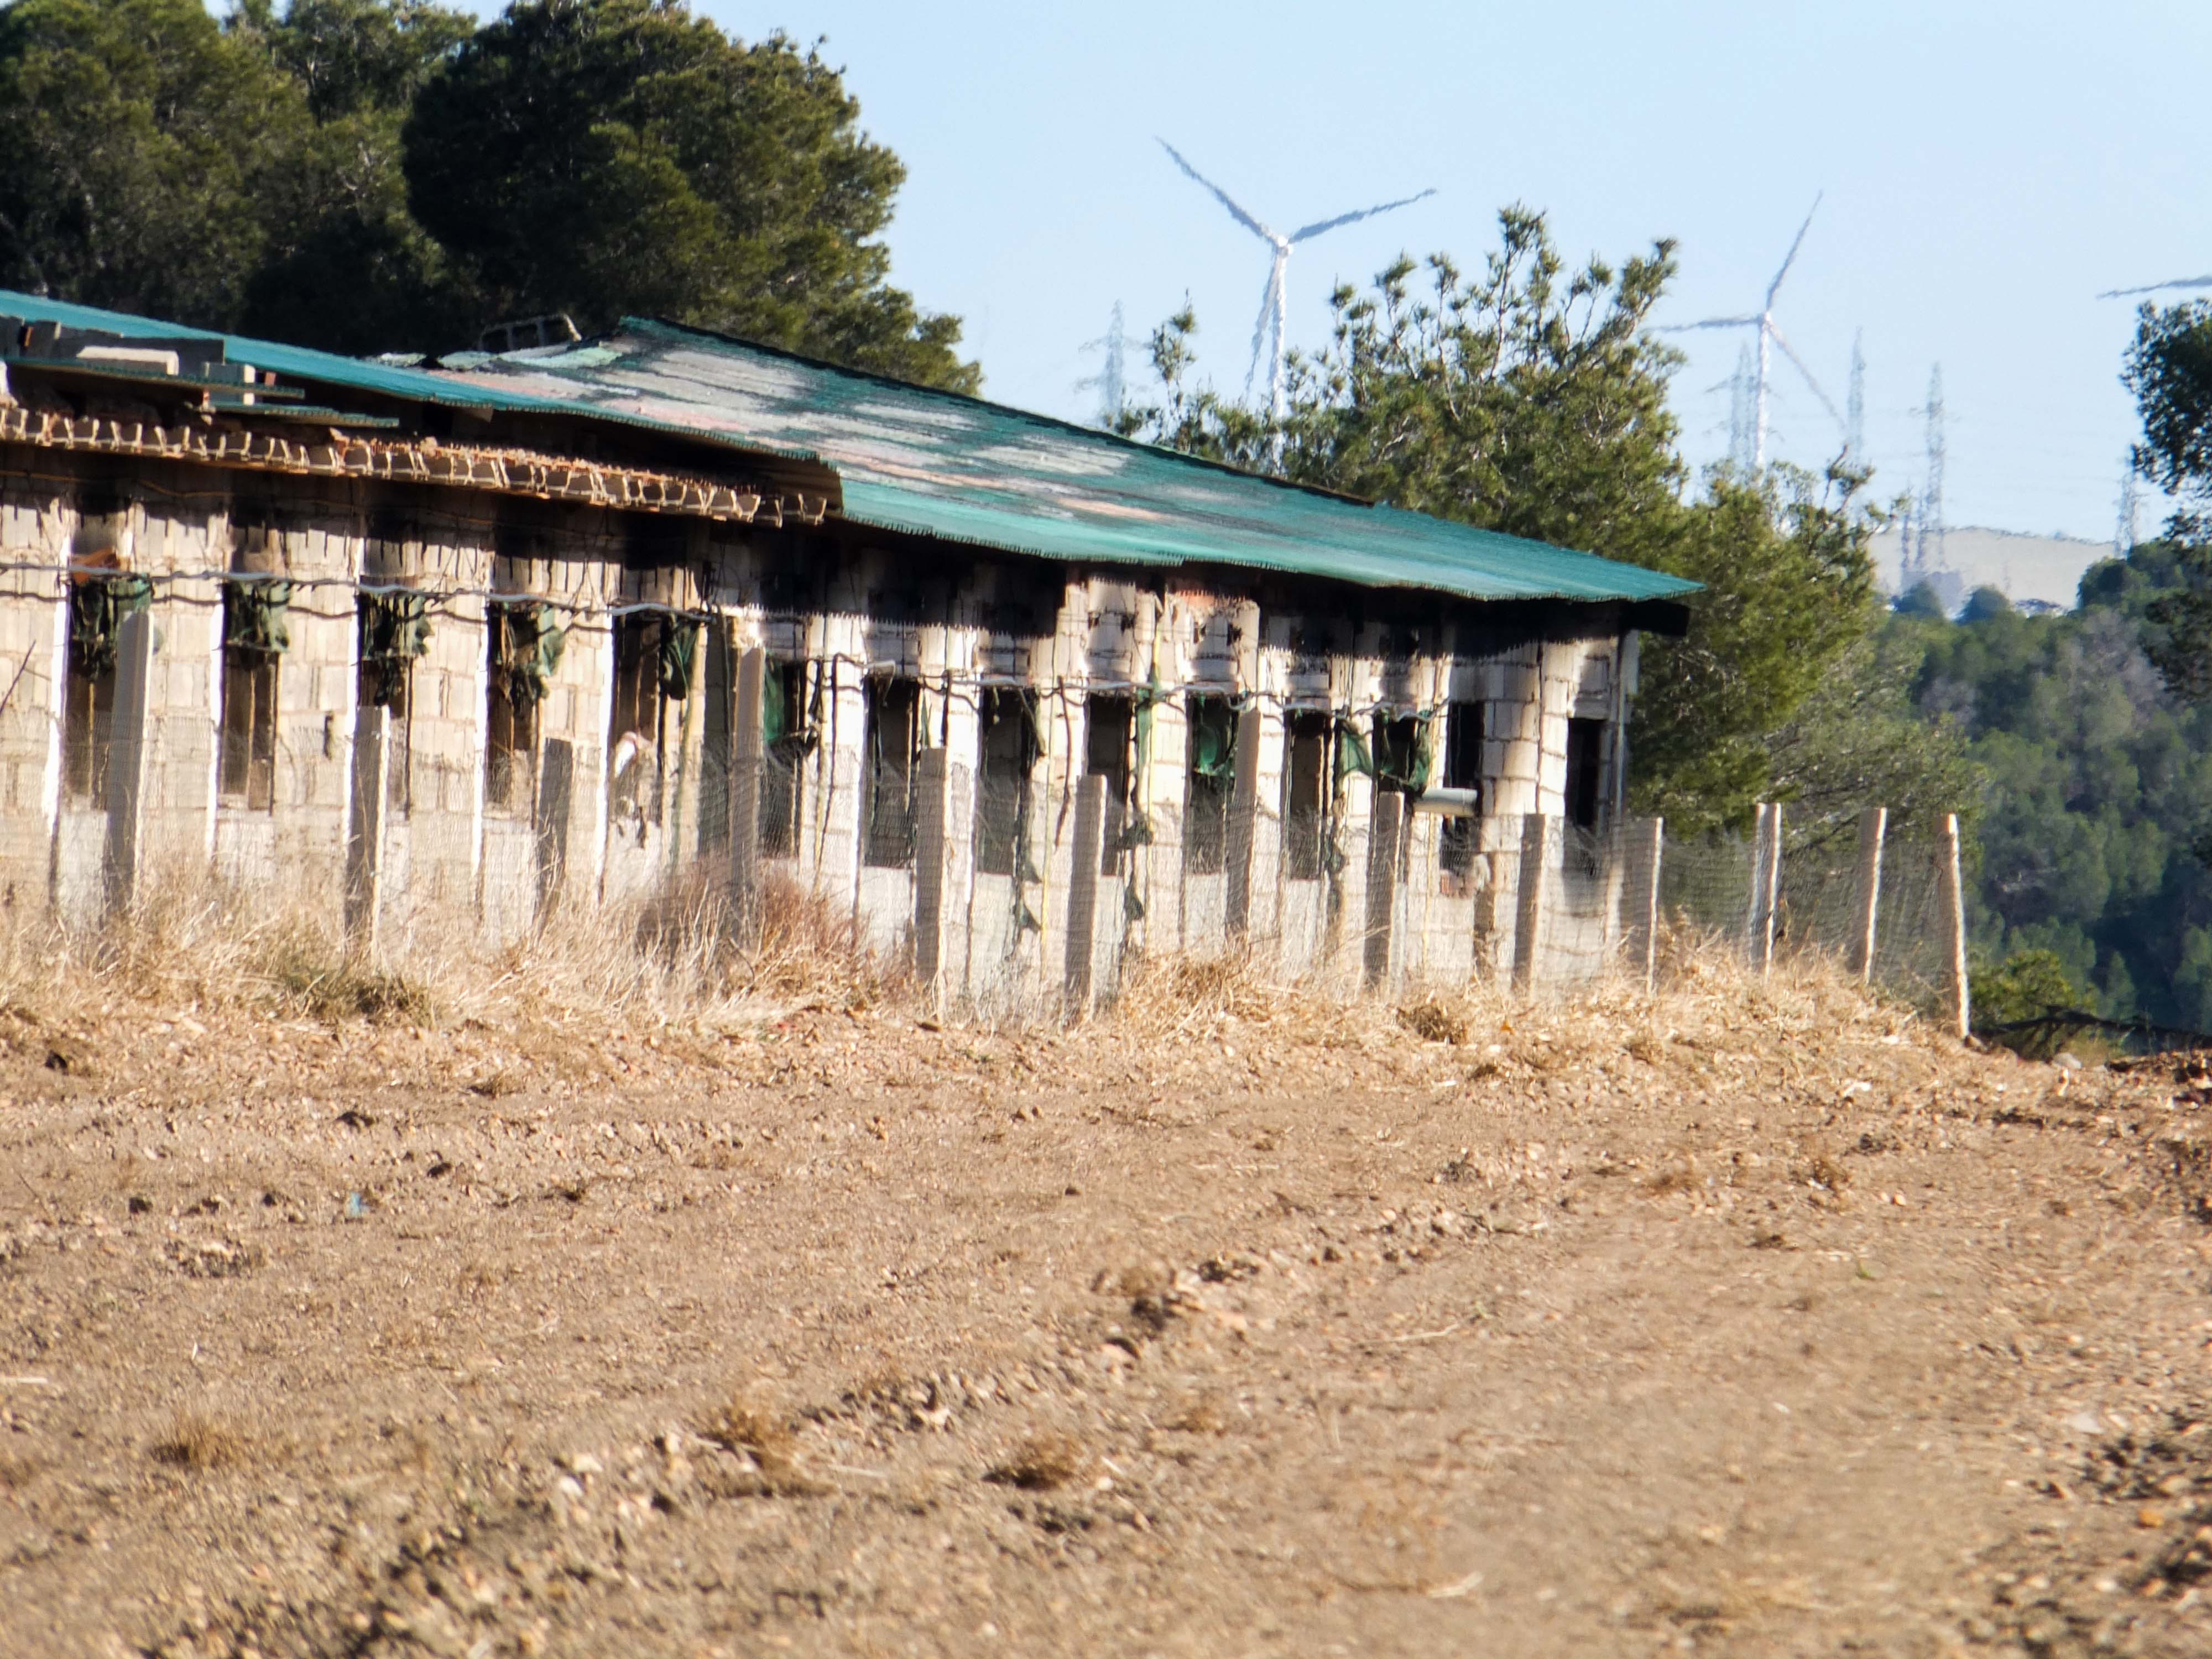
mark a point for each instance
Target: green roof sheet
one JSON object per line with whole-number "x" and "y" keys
{"x": 941, "y": 464}
{"x": 326, "y": 368}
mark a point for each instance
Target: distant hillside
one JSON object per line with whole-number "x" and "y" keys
{"x": 2045, "y": 567}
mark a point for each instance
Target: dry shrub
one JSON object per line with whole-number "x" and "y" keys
{"x": 1172, "y": 994}
{"x": 742, "y": 1425}
{"x": 1041, "y": 1462}
{"x": 199, "y": 1443}
{"x": 1432, "y": 1022}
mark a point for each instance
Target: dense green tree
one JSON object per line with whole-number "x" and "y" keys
{"x": 2097, "y": 786}
{"x": 366, "y": 175}
{"x": 344, "y": 265}
{"x": 1532, "y": 400}
{"x": 605, "y": 156}
{"x": 136, "y": 139}
{"x": 2169, "y": 369}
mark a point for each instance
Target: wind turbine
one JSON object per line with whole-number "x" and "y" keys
{"x": 1770, "y": 337}
{"x": 1267, "y": 333}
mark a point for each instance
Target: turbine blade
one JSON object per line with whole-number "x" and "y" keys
{"x": 1305, "y": 232}
{"x": 1791, "y": 352}
{"x": 1791, "y": 258}
{"x": 1219, "y": 194}
{"x": 1709, "y": 322}
{"x": 2154, "y": 287}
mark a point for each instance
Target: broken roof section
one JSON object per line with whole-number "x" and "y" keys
{"x": 954, "y": 468}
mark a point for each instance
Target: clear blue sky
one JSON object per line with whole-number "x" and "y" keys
{"x": 1989, "y": 168}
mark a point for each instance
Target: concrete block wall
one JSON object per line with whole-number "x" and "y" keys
{"x": 849, "y": 610}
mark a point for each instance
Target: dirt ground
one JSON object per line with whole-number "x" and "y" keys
{"x": 1757, "y": 1319}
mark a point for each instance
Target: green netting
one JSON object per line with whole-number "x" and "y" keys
{"x": 395, "y": 629}
{"x": 1212, "y": 738}
{"x": 98, "y": 605}
{"x": 1404, "y": 750}
{"x": 257, "y": 615}
{"x": 1352, "y": 754}
{"x": 679, "y": 649}
{"x": 529, "y": 645}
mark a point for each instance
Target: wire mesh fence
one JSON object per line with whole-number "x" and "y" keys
{"x": 1007, "y": 902}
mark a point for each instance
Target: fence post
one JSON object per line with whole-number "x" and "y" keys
{"x": 1766, "y": 886}
{"x": 745, "y": 762}
{"x": 364, "y": 888}
{"x": 1529, "y": 898}
{"x": 1382, "y": 883}
{"x": 1647, "y": 846}
{"x": 1083, "y": 891}
{"x": 1243, "y": 815}
{"x": 1954, "y": 918}
{"x": 931, "y": 781}
{"x": 1873, "y": 825}
{"x": 126, "y": 758}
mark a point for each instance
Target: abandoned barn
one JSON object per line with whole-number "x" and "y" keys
{"x": 585, "y": 622}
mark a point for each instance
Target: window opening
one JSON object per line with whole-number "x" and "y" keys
{"x": 1305, "y": 785}
{"x": 98, "y": 604}
{"x": 1110, "y": 727}
{"x": 1007, "y": 747}
{"x": 394, "y": 630}
{"x": 523, "y": 646}
{"x": 892, "y": 739}
{"x": 1210, "y": 775}
{"x": 256, "y": 632}
{"x": 636, "y": 727}
{"x": 787, "y": 738}
{"x": 718, "y": 716}
{"x": 1401, "y": 753}
{"x": 1461, "y": 836}
{"x": 1585, "y": 772}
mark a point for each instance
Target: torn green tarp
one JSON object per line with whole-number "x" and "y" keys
{"x": 530, "y": 646}
{"x": 680, "y": 648}
{"x": 1404, "y": 749}
{"x": 98, "y": 605}
{"x": 257, "y": 614}
{"x": 1352, "y": 751}
{"x": 395, "y": 629}
{"x": 1212, "y": 738}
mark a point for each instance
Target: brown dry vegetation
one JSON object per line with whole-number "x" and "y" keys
{"x": 652, "y": 1302}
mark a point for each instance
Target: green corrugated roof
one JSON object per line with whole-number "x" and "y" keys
{"x": 941, "y": 464}
{"x": 326, "y": 367}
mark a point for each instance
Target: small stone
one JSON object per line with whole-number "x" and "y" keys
{"x": 2150, "y": 1517}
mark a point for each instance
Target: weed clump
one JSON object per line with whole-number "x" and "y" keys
{"x": 199, "y": 1443}
{"x": 1041, "y": 1462}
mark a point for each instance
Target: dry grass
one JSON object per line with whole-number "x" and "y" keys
{"x": 199, "y": 1443}
{"x": 742, "y": 1425}
{"x": 1041, "y": 1462}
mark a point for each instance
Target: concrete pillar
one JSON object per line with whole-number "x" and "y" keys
{"x": 1385, "y": 823}
{"x": 126, "y": 759}
{"x": 364, "y": 882}
{"x": 1529, "y": 898}
{"x": 1083, "y": 892}
{"x": 1243, "y": 820}
{"x": 931, "y": 804}
{"x": 1874, "y": 826}
{"x": 745, "y": 764}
